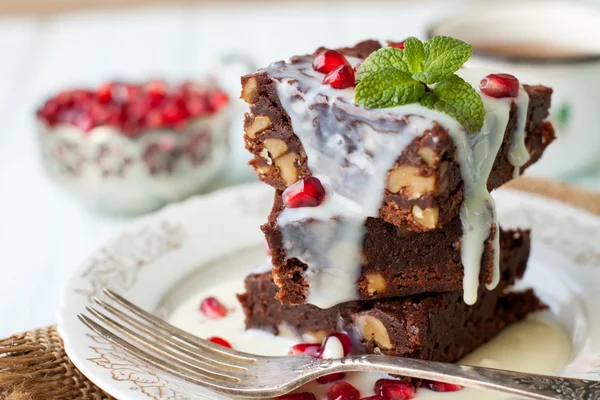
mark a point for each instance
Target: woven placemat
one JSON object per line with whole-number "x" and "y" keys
{"x": 34, "y": 365}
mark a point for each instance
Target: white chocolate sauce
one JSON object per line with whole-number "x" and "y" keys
{"x": 351, "y": 150}
{"x": 523, "y": 346}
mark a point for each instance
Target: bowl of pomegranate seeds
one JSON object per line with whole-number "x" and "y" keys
{"x": 131, "y": 148}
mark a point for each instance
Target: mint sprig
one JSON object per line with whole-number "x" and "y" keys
{"x": 393, "y": 77}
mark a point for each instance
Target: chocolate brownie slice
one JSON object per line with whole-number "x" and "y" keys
{"x": 424, "y": 187}
{"x": 431, "y": 326}
{"x": 395, "y": 262}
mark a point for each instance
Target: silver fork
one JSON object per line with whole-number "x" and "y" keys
{"x": 235, "y": 373}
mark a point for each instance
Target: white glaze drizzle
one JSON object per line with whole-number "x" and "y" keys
{"x": 518, "y": 154}
{"x": 351, "y": 149}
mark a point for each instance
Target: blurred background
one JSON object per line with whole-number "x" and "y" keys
{"x": 48, "y": 46}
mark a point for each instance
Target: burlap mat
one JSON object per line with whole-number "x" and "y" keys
{"x": 33, "y": 365}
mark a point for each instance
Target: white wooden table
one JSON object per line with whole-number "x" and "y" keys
{"x": 44, "y": 233}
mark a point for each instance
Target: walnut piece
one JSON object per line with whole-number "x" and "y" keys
{"x": 263, "y": 170}
{"x": 249, "y": 90}
{"x": 375, "y": 283}
{"x": 370, "y": 328}
{"x": 428, "y": 217}
{"x": 275, "y": 147}
{"x": 314, "y": 336}
{"x": 407, "y": 177}
{"x": 259, "y": 124}
{"x": 429, "y": 156}
{"x": 287, "y": 168}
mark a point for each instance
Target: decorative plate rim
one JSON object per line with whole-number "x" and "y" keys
{"x": 169, "y": 232}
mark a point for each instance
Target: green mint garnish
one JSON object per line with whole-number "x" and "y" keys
{"x": 393, "y": 77}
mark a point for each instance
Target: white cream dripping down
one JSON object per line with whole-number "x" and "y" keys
{"x": 351, "y": 149}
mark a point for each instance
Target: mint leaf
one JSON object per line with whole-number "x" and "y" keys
{"x": 443, "y": 57}
{"x": 388, "y": 88}
{"x": 459, "y": 100}
{"x": 414, "y": 54}
{"x": 385, "y": 58}
{"x": 392, "y": 77}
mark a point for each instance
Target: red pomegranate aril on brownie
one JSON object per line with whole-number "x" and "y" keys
{"x": 500, "y": 85}
{"x": 309, "y": 349}
{"x": 442, "y": 386}
{"x": 308, "y": 192}
{"x": 343, "y": 391}
{"x": 397, "y": 45}
{"x": 219, "y": 341}
{"x": 212, "y": 308}
{"x": 329, "y": 60}
{"x": 298, "y": 396}
{"x": 392, "y": 389}
{"x": 340, "y": 78}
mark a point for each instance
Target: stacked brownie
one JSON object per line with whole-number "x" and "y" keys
{"x": 385, "y": 257}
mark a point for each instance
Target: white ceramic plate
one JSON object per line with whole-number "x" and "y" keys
{"x": 160, "y": 260}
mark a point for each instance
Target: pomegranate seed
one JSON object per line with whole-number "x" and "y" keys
{"x": 130, "y": 128}
{"x": 395, "y": 389}
{"x": 80, "y": 97}
{"x": 340, "y": 78}
{"x": 154, "y": 119}
{"x": 84, "y": 122}
{"x": 136, "y": 112}
{"x": 298, "y": 396}
{"x": 343, "y": 391}
{"x": 193, "y": 88}
{"x": 329, "y": 60}
{"x": 196, "y": 106}
{"x": 49, "y": 111}
{"x": 121, "y": 93}
{"x": 343, "y": 338}
{"x": 442, "y": 386}
{"x": 156, "y": 90}
{"x": 397, "y": 45}
{"x": 308, "y": 192}
{"x": 212, "y": 308}
{"x": 64, "y": 99}
{"x": 219, "y": 341}
{"x": 331, "y": 378}
{"x": 500, "y": 85}
{"x": 309, "y": 349}
{"x": 104, "y": 93}
{"x": 172, "y": 113}
{"x": 218, "y": 100}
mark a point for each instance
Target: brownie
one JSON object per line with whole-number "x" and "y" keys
{"x": 425, "y": 176}
{"x": 396, "y": 262}
{"x": 431, "y": 326}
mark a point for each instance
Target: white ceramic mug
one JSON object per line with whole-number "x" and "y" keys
{"x": 575, "y": 79}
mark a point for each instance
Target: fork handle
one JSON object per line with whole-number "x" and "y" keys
{"x": 525, "y": 385}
